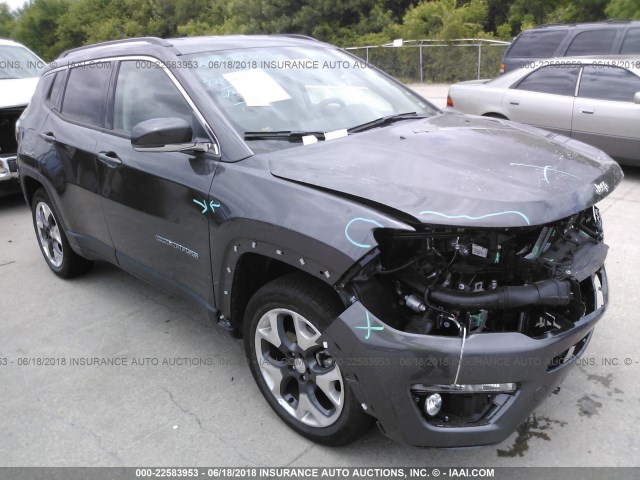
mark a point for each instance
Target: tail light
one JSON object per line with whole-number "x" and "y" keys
{"x": 501, "y": 68}
{"x": 449, "y": 101}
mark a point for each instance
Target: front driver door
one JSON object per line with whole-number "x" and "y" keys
{"x": 157, "y": 204}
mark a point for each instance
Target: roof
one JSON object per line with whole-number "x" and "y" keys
{"x": 612, "y": 22}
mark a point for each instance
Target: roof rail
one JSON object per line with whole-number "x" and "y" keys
{"x": 555, "y": 25}
{"x": 151, "y": 40}
{"x": 610, "y": 20}
{"x": 297, "y": 35}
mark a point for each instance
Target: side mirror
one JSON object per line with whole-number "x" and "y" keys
{"x": 165, "y": 135}
{"x": 636, "y": 98}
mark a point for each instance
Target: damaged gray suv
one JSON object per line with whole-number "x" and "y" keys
{"x": 384, "y": 261}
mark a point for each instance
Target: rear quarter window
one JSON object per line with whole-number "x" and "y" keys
{"x": 592, "y": 42}
{"x": 537, "y": 44}
{"x": 53, "y": 98}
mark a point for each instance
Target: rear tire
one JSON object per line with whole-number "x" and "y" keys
{"x": 295, "y": 374}
{"x": 55, "y": 248}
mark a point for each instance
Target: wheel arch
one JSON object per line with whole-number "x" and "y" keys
{"x": 262, "y": 253}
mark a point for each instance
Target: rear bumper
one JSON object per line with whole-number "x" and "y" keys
{"x": 381, "y": 364}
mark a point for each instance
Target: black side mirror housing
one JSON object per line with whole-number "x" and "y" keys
{"x": 165, "y": 135}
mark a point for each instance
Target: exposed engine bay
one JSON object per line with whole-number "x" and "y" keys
{"x": 454, "y": 281}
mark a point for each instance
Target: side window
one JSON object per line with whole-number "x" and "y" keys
{"x": 604, "y": 82}
{"x": 537, "y": 44}
{"x": 631, "y": 43}
{"x": 56, "y": 89}
{"x": 555, "y": 79}
{"x": 592, "y": 42}
{"x": 84, "y": 97}
{"x": 143, "y": 92}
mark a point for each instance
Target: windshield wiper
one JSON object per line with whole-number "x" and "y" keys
{"x": 290, "y": 135}
{"x": 382, "y": 121}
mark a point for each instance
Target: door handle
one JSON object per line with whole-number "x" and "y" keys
{"x": 514, "y": 102}
{"x": 110, "y": 159}
{"x": 48, "y": 137}
{"x": 587, "y": 111}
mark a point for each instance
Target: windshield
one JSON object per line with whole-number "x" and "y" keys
{"x": 300, "y": 89}
{"x": 18, "y": 62}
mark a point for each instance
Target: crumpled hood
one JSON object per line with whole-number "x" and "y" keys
{"x": 17, "y": 92}
{"x": 461, "y": 170}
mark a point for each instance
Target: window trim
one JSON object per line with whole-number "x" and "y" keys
{"x": 215, "y": 143}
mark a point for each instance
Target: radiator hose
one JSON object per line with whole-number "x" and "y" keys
{"x": 551, "y": 292}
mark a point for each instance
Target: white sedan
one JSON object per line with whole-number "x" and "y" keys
{"x": 595, "y": 100}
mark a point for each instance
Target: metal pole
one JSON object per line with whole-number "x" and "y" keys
{"x": 421, "y": 80}
{"x": 367, "y": 55}
{"x": 479, "y": 58}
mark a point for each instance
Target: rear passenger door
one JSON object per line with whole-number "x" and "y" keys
{"x": 77, "y": 102}
{"x": 544, "y": 98}
{"x": 605, "y": 115}
{"x": 157, "y": 204}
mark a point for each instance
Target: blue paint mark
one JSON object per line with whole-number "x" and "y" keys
{"x": 512, "y": 212}
{"x": 202, "y": 204}
{"x": 213, "y": 206}
{"x": 359, "y": 219}
{"x": 368, "y": 327}
{"x": 545, "y": 170}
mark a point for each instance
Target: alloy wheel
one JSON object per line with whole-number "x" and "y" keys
{"x": 299, "y": 372}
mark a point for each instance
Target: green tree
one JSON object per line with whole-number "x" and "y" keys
{"x": 445, "y": 19}
{"x": 629, "y": 9}
{"x": 7, "y": 21}
{"x": 37, "y": 26}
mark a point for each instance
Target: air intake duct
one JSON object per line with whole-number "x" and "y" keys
{"x": 551, "y": 293}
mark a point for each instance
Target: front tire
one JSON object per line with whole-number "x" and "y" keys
{"x": 55, "y": 248}
{"x": 294, "y": 372}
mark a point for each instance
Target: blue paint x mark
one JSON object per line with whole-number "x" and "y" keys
{"x": 368, "y": 327}
{"x": 545, "y": 170}
{"x": 204, "y": 206}
{"x": 359, "y": 219}
{"x": 512, "y": 212}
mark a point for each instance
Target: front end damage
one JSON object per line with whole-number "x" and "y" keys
{"x": 454, "y": 335}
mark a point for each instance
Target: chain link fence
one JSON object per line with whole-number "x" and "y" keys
{"x": 436, "y": 61}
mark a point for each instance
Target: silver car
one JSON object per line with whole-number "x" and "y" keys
{"x": 595, "y": 100}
